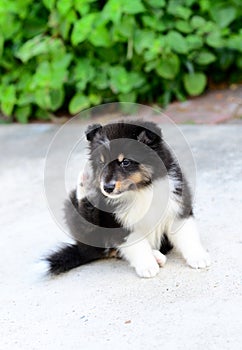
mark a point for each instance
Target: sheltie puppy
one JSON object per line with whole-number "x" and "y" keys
{"x": 132, "y": 202}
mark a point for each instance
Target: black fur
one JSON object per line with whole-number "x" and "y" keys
{"x": 73, "y": 255}
{"x": 87, "y": 222}
{"x": 166, "y": 245}
{"x": 92, "y": 130}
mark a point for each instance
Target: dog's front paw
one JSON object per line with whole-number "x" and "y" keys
{"x": 199, "y": 260}
{"x": 147, "y": 269}
{"x": 159, "y": 257}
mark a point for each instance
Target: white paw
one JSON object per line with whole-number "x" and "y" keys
{"x": 199, "y": 260}
{"x": 147, "y": 269}
{"x": 159, "y": 257}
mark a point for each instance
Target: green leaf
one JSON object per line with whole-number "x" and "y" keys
{"x": 43, "y": 114}
{"x": 215, "y": 39}
{"x": 62, "y": 61}
{"x": 95, "y": 99}
{"x": 10, "y": 28}
{"x": 194, "y": 83}
{"x": 156, "y": 3}
{"x": 8, "y": 99}
{"x": 235, "y": 42}
{"x": 101, "y": 80}
{"x": 42, "y": 98}
{"x": 119, "y": 80}
{"x": 58, "y": 77}
{"x": 40, "y": 45}
{"x": 129, "y": 97}
{"x": 207, "y": 28}
{"x": 49, "y": 99}
{"x": 183, "y": 26}
{"x": 205, "y": 5}
{"x": 23, "y": 113}
{"x": 56, "y": 98}
{"x": 78, "y": 103}
{"x": 136, "y": 79}
{"x": 42, "y": 76}
{"x": 189, "y": 2}
{"x": 63, "y": 6}
{"x": 82, "y": 28}
{"x": 223, "y": 14}
{"x": 178, "y": 11}
{"x": 132, "y": 7}
{"x": 194, "y": 42}
{"x": 126, "y": 26}
{"x": 143, "y": 39}
{"x": 168, "y": 67}
{"x": 205, "y": 57}
{"x": 25, "y": 98}
{"x": 100, "y": 37}
{"x": 154, "y": 23}
{"x": 112, "y": 11}
{"x": 83, "y": 73}
{"x": 33, "y": 47}
{"x": 51, "y": 74}
{"x": 83, "y": 6}
{"x": 49, "y": 4}
{"x": 122, "y": 81}
{"x": 158, "y": 47}
{"x": 59, "y": 72}
{"x": 177, "y": 42}
{"x": 197, "y": 22}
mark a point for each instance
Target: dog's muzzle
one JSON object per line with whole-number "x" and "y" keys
{"x": 109, "y": 187}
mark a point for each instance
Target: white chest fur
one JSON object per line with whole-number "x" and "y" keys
{"x": 149, "y": 212}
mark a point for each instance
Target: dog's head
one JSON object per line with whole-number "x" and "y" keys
{"x": 124, "y": 155}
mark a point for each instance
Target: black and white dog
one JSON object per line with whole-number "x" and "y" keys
{"x": 132, "y": 202}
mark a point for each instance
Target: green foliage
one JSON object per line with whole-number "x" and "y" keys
{"x": 194, "y": 83}
{"x": 70, "y": 55}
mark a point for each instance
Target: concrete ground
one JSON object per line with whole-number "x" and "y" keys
{"x": 104, "y": 305}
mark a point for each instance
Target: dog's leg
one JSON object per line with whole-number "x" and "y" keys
{"x": 160, "y": 258}
{"x": 141, "y": 257}
{"x": 185, "y": 237}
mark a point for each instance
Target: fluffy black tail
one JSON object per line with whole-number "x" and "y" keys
{"x": 73, "y": 255}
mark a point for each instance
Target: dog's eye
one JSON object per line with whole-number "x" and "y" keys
{"x": 125, "y": 163}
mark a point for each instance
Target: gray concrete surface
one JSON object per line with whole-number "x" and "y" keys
{"x": 104, "y": 305}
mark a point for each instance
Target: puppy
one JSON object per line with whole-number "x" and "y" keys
{"x": 132, "y": 201}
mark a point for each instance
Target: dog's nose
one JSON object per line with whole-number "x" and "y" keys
{"x": 109, "y": 187}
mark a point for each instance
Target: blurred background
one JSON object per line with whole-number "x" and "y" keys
{"x": 58, "y": 57}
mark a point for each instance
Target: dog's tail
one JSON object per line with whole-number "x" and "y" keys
{"x": 73, "y": 255}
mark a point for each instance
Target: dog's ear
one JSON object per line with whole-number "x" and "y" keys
{"x": 150, "y": 135}
{"x": 92, "y": 130}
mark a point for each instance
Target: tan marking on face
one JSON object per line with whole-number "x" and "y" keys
{"x": 120, "y": 157}
{"x": 102, "y": 158}
{"x": 113, "y": 253}
{"x": 136, "y": 177}
{"x": 118, "y": 185}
